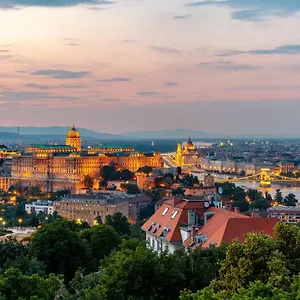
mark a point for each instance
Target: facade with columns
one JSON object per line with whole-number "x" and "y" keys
{"x": 187, "y": 156}
{"x": 55, "y": 167}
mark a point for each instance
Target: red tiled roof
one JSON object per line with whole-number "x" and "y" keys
{"x": 237, "y": 228}
{"x": 166, "y": 220}
{"x": 215, "y": 222}
{"x": 225, "y": 226}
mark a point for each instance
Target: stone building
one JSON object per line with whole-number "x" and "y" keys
{"x": 187, "y": 156}
{"x": 86, "y": 208}
{"x": 56, "y": 167}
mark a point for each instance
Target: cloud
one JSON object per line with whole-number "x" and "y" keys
{"x": 170, "y": 84}
{"x": 268, "y": 87}
{"x": 165, "y": 50}
{"x": 72, "y": 44}
{"x": 4, "y": 51}
{"x": 4, "y": 57}
{"x": 110, "y": 100}
{"x": 228, "y": 65}
{"x": 248, "y": 15}
{"x": 96, "y": 8}
{"x": 61, "y": 74}
{"x": 148, "y": 94}
{"x": 115, "y": 79}
{"x": 9, "y": 95}
{"x": 15, "y": 4}
{"x": 255, "y": 10}
{"x": 182, "y": 17}
{"x": 286, "y": 50}
{"x": 130, "y": 41}
{"x": 48, "y": 87}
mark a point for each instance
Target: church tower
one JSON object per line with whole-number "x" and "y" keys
{"x": 73, "y": 139}
{"x": 178, "y": 156}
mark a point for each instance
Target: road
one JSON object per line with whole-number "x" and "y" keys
{"x": 169, "y": 161}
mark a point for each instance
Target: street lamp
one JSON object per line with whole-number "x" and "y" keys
{"x": 20, "y": 222}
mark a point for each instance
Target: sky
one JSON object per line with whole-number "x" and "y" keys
{"x": 115, "y": 66}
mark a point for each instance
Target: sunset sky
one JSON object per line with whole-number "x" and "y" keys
{"x": 230, "y": 66}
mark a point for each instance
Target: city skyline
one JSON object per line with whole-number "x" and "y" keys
{"x": 121, "y": 66}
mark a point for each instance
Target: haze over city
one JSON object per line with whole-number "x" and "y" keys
{"x": 119, "y": 66}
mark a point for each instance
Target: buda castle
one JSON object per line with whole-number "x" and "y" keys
{"x": 57, "y": 167}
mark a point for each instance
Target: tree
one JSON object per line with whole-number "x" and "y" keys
{"x": 103, "y": 184}
{"x": 119, "y": 222}
{"x": 290, "y": 200}
{"x": 59, "y": 247}
{"x": 178, "y": 171}
{"x": 200, "y": 266}
{"x": 278, "y": 197}
{"x": 256, "y": 199}
{"x": 9, "y": 250}
{"x": 101, "y": 240}
{"x": 178, "y": 192}
{"x": 15, "y": 285}
{"x": 98, "y": 220}
{"x": 190, "y": 180}
{"x": 256, "y": 291}
{"x": 258, "y": 258}
{"x": 34, "y": 191}
{"x": 160, "y": 182}
{"x": 151, "y": 276}
{"x": 131, "y": 189}
{"x": 126, "y": 174}
{"x": 34, "y": 222}
{"x": 105, "y": 172}
{"x": 155, "y": 194}
{"x": 88, "y": 182}
{"x": 147, "y": 170}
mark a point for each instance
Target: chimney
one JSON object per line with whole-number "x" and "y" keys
{"x": 236, "y": 210}
{"x": 176, "y": 200}
{"x": 193, "y": 232}
{"x": 255, "y": 214}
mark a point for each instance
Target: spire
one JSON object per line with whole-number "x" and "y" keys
{"x": 73, "y": 127}
{"x": 190, "y": 139}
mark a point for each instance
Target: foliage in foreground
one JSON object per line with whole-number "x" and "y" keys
{"x": 65, "y": 260}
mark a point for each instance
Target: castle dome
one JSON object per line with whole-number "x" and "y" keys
{"x": 190, "y": 145}
{"x": 73, "y": 133}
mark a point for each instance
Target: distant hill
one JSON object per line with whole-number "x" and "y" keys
{"x": 52, "y": 133}
{"x": 172, "y": 134}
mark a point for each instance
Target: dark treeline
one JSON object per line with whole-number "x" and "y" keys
{"x": 67, "y": 260}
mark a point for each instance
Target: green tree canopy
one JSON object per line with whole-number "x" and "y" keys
{"x": 119, "y": 222}
{"x": 59, "y": 247}
{"x": 290, "y": 200}
{"x": 101, "y": 240}
{"x": 258, "y": 258}
{"x": 15, "y": 285}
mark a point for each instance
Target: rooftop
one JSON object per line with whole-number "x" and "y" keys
{"x": 52, "y": 146}
{"x": 225, "y": 226}
{"x": 284, "y": 208}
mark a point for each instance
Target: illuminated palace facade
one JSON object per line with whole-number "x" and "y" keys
{"x": 187, "y": 156}
{"x": 56, "y": 167}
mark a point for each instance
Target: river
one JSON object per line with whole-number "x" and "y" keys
{"x": 284, "y": 188}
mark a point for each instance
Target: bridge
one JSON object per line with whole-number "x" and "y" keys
{"x": 265, "y": 178}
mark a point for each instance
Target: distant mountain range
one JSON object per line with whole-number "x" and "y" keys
{"x": 59, "y": 133}
{"x": 172, "y": 134}
{"x": 51, "y": 133}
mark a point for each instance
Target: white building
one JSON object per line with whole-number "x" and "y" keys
{"x": 40, "y": 206}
